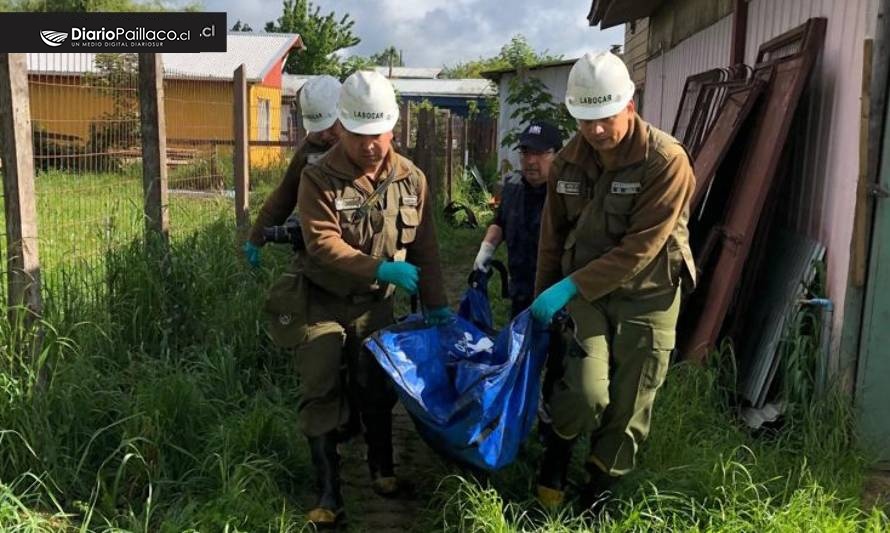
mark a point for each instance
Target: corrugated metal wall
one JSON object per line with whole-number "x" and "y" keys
{"x": 666, "y": 74}
{"x": 824, "y": 197}
{"x": 824, "y": 201}
{"x": 555, "y": 78}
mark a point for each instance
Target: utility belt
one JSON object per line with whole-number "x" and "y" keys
{"x": 377, "y": 295}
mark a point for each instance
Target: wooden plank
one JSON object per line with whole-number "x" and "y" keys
{"x": 859, "y": 259}
{"x": 872, "y": 394}
{"x": 464, "y": 147}
{"x": 154, "y": 145}
{"x": 405, "y": 131}
{"x": 23, "y": 260}
{"x": 241, "y": 159}
{"x": 449, "y": 158}
{"x": 425, "y": 148}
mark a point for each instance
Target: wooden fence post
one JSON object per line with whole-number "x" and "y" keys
{"x": 425, "y": 148}
{"x": 464, "y": 146}
{"x": 23, "y": 261}
{"x": 405, "y": 132}
{"x": 449, "y": 158}
{"x": 241, "y": 159}
{"x": 154, "y": 146}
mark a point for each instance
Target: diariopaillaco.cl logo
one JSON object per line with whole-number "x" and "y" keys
{"x": 88, "y": 38}
{"x": 53, "y": 37}
{"x": 112, "y": 32}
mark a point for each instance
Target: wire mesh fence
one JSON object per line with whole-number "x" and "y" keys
{"x": 87, "y": 159}
{"x": 200, "y": 137}
{"x": 85, "y": 114}
{"x": 88, "y": 150}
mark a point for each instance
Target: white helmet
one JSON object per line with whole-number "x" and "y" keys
{"x": 599, "y": 86}
{"x": 318, "y": 103}
{"x": 368, "y": 104}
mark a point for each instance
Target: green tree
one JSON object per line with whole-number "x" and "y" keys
{"x": 533, "y": 102}
{"x": 239, "y": 26}
{"x": 515, "y": 54}
{"x": 323, "y": 35}
{"x": 354, "y": 63}
{"x": 387, "y": 55}
{"x": 115, "y": 75}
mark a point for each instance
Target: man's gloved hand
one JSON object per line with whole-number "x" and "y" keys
{"x": 483, "y": 258}
{"x": 439, "y": 316}
{"x": 399, "y": 273}
{"x": 251, "y": 253}
{"x": 549, "y": 302}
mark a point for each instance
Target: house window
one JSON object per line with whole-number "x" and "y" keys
{"x": 262, "y": 121}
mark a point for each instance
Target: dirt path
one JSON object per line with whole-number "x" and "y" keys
{"x": 414, "y": 460}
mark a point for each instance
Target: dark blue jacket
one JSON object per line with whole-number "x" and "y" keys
{"x": 519, "y": 215}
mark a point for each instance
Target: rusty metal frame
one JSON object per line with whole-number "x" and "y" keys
{"x": 690, "y": 99}
{"x": 735, "y": 110}
{"x": 703, "y": 97}
{"x": 785, "y": 76}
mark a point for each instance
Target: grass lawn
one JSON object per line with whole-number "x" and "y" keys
{"x": 168, "y": 410}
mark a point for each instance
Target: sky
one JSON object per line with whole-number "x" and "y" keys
{"x": 435, "y": 33}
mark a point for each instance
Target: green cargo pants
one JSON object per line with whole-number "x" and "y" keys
{"x": 615, "y": 360}
{"x": 333, "y": 365}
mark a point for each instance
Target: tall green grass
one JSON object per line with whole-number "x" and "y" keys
{"x": 162, "y": 407}
{"x": 701, "y": 470}
{"x": 166, "y": 409}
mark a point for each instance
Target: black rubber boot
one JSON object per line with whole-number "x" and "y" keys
{"x": 595, "y": 493}
{"x": 378, "y": 436}
{"x": 329, "y": 509}
{"x": 554, "y": 470}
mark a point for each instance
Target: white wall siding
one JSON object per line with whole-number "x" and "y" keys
{"x": 666, "y": 73}
{"x": 825, "y": 199}
{"x": 555, "y": 78}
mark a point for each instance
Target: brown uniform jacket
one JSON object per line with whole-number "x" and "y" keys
{"x": 282, "y": 201}
{"x": 342, "y": 255}
{"x": 618, "y": 226}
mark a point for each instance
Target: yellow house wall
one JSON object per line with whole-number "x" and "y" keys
{"x": 198, "y": 109}
{"x": 265, "y": 156}
{"x": 65, "y": 105}
{"x": 194, "y": 109}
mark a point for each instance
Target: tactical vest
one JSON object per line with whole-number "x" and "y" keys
{"x": 598, "y": 207}
{"x": 384, "y": 232}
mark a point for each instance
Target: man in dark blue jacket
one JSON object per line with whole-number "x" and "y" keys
{"x": 518, "y": 218}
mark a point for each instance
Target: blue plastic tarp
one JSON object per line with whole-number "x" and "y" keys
{"x": 473, "y": 395}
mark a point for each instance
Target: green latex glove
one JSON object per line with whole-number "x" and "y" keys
{"x": 251, "y": 253}
{"x": 401, "y": 274}
{"x": 549, "y": 302}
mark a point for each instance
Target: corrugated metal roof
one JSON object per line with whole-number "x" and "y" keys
{"x": 258, "y": 52}
{"x": 497, "y": 73}
{"x": 470, "y": 88}
{"x": 410, "y": 72}
{"x": 66, "y": 64}
{"x": 608, "y": 13}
